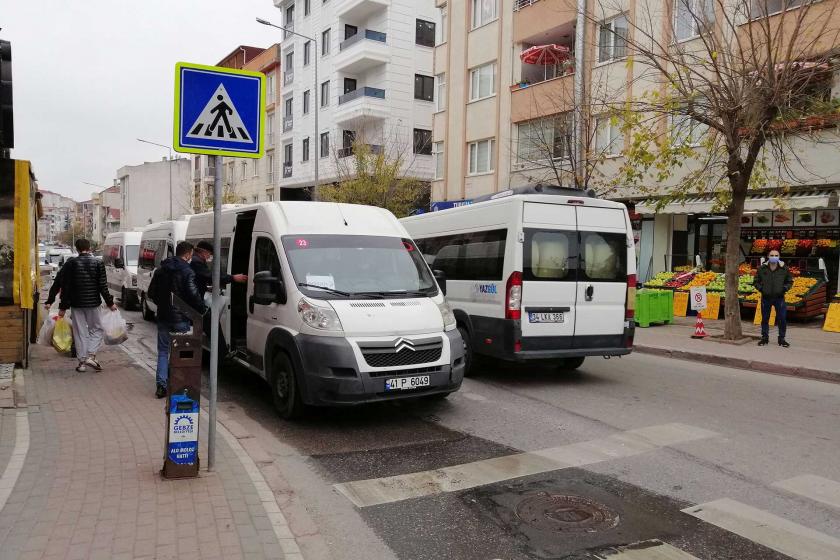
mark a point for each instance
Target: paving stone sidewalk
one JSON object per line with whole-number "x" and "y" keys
{"x": 90, "y": 484}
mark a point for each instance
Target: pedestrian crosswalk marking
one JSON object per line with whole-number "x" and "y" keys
{"x": 794, "y": 540}
{"x": 220, "y": 120}
{"x": 648, "y": 550}
{"x": 813, "y": 487}
{"x": 364, "y": 493}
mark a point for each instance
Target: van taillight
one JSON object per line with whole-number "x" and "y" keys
{"x": 630, "y": 307}
{"x": 513, "y": 296}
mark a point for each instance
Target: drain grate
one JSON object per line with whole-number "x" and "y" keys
{"x": 562, "y": 513}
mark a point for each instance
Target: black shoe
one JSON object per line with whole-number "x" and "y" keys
{"x": 763, "y": 342}
{"x": 784, "y": 343}
{"x": 160, "y": 392}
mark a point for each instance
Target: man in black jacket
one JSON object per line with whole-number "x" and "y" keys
{"x": 83, "y": 287}
{"x": 173, "y": 277}
{"x": 772, "y": 281}
{"x": 202, "y": 257}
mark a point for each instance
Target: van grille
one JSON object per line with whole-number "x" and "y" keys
{"x": 412, "y": 371}
{"x": 402, "y": 352}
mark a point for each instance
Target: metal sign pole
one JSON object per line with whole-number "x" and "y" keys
{"x": 215, "y": 308}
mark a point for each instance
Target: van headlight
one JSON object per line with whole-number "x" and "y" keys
{"x": 318, "y": 317}
{"x": 448, "y": 316}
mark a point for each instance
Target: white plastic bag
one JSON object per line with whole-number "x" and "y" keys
{"x": 46, "y": 332}
{"x": 116, "y": 329}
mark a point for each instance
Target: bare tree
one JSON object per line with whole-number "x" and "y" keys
{"x": 725, "y": 83}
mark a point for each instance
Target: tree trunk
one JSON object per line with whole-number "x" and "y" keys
{"x": 732, "y": 308}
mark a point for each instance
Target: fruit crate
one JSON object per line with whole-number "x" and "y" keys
{"x": 654, "y": 307}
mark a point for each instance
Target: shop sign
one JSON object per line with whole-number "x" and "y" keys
{"x": 698, "y": 298}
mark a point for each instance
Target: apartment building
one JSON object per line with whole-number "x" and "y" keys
{"x": 59, "y": 215}
{"x": 153, "y": 192}
{"x": 245, "y": 180}
{"x": 375, "y": 86}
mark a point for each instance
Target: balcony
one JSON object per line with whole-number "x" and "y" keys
{"x": 288, "y": 123}
{"x": 288, "y": 78}
{"x": 536, "y": 18}
{"x": 287, "y": 170}
{"x": 361, "y": 104}
{"x": 533, "y": 101}
{"x": 360, "y": 9}
{"x": 361, "y": 52}
{"x": 349, "y": 151}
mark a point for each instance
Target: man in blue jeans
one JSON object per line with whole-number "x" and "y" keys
{"x": 173, "y": 277}
{"x": 773, "y": 281}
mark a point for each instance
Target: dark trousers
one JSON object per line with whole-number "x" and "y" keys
{"x": 781, "y": 316}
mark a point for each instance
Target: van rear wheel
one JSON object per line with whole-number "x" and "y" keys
{"x": 572, "y": 363}
{"x": 284, "y": 388}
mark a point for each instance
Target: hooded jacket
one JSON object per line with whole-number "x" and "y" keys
{"x": 84, "y": 283}
{"x": 773, "y": 284}
{"x": 179, "y": 280}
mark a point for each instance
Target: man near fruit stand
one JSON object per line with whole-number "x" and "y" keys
{"x": 772, "y": 281}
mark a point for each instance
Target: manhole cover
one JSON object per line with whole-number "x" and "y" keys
{"x": 559, "y": 513}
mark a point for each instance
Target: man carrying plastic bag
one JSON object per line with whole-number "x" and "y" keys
{"x": 116, "y": 329}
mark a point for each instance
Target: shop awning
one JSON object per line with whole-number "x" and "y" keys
{"x": 804, "y": 200}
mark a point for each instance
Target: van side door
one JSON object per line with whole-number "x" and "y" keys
{"x": 262, "y": 317}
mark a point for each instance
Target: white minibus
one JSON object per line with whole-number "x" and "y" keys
{"x": 157, "y": 243}
{"x": 339, "y": 307}
{"x": 119, "y": 254}
{"x": 535, "y": 274}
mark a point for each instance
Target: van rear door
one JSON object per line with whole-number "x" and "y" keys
{"x": 602, "y": 277}
{"x": 549, "y": 273}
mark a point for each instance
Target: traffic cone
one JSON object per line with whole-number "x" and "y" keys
{"x": 699, "y": 328}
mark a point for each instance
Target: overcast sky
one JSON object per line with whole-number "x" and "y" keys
{"x": 91, "y": 76}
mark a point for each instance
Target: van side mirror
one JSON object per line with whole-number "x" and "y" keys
{"x": 268, "y": 289}
{"x": 119, "y": 263}
{"x": 440, "y": 276}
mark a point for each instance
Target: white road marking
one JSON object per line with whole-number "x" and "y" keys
{"x": 15, "y": 464}
{"x": 787, "y": 537}
{"x": 364, "y": 493}
{"x": 655, "y": 551}
{"x": 813, "y": 487}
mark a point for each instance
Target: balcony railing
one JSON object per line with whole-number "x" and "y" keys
{"x": 520, "y": 4}
{"x": 368, "y": 34}
{"x": 288, "y": 78}
{"x": 349, "y": 150}
{"x": 288, "y": 123}
{"x": 287, "y": 170}
{"x": 361, "y": 92}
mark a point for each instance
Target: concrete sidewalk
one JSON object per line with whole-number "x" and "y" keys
{"x": 814, "y": 353}
{"x": 79, "y": 475}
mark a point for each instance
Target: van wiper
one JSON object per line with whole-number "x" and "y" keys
{"x": 330, "y": 290}
{"x": 400, "y": 293}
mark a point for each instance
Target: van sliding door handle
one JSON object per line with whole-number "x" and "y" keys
{"x": 251, "y": 304}
{"x": 590, "y": 292}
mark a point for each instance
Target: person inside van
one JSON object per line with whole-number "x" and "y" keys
{"x": 200, "y": 263}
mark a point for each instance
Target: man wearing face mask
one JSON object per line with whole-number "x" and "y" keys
{"x": 772, "y": 281}
{"x": 200, "y": 263}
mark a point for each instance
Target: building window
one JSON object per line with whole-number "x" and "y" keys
{"x": 481, "y": 156}
{"x": 244, "y": 170}
{"x": 692, "y": 17}
{"x": 609, "y": 139}
{"x": 304, "y": 149}
{"x": 422, "y": 142}
{"x": 269, "y": 161}
{"x": 612, "y": 39}
{"x": 325, "y": 93}
{"x": 544, "y": 139}
{"x": 424, "y": 87}
{"x": 444, "y": 25}
{"x": 440, "y": 81}
{"x": 325, "y": 144}
{"x": 290, "y": 16}
{"x": 287, "y": 154}
{"x": 269, "y": 87}
{"x": 307, "y": 53}
{"x": 325, "y": 42}
{"x": 483, "y": 12}
{"x": 307, "y": 8}
{"x": 425, "y": 33}
{"x": 288, "y": 107}
{"x": 306, "y": 102}
{"x": 290, "y": 62}
{"x": 483, "y": 81}
{"x": 437, "y": 152}
{"x": 256, "y": 169}
{"x": 685, "y": 131}
{"x": 269, "y": 125}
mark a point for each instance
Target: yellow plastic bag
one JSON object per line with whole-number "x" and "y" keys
{"x": 62, "y": 338}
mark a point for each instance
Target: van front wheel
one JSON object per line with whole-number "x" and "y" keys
{"x": 572, "y": 363}
{"x": 284, "y": 388}
{"x": 468, "y": 356}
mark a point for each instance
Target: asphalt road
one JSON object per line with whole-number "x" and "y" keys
{"x": 688, "y": 459}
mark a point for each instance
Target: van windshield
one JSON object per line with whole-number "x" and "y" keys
{"x": 359, "y": 265}
{"x": 132, "y": 252}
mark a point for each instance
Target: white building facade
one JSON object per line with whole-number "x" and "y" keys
{"x": 146, "y": 190}
{"x": 375, "y": 86}
{"x": 59, "y": 215}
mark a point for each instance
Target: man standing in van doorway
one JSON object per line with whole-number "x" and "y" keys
{"x": 83, "y": 288}
{"x": 772, "y": 281}
{"x": 200, "y": 263}
{"x": 174, "y": 276}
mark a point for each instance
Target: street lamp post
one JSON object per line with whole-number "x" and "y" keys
{"x": 315, "y": 139}
{"x": 170, "y": 169}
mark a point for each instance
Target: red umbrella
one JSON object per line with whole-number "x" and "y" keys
{"x": 545, "y": 55}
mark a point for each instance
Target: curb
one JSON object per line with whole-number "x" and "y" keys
{"x": 740, "y": 363}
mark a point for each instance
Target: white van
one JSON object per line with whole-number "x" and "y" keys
{"x": 157, "y": 243}
{"x": 535, "y": 274}
{"x": 119, "y": 254}
{"x": 339, "y": 307}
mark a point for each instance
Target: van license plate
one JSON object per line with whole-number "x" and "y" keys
{"x": 545, "y": 318}
{"x": 403, "y": 383}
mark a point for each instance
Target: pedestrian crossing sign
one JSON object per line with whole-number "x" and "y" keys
{"x": 219, "y": 111}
